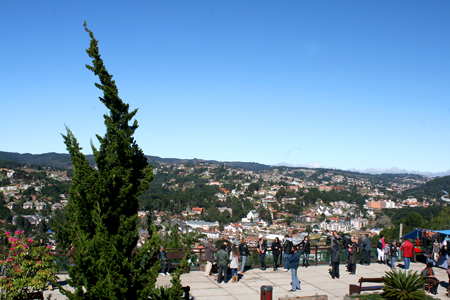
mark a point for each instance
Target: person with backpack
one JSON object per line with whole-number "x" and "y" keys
{"x": 380, "y": 249}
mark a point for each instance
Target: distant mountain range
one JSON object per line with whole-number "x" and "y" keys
{"x": 62, "y": 160}
{"x": 393, "y": 170}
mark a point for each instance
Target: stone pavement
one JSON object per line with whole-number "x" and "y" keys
{"x": 315, "y": 280}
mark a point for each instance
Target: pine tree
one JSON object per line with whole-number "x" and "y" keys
{"x": 102, "y": 208}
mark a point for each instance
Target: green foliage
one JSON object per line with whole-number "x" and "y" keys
{"x": 160, "y": 293}
{"x": 401, "y": 285}
{"x": 431, "y": 189}
{"x": 102, "y": 210}
{"x": 28, "y": 267}
{"x": 176, "y": 291}
{"x": 441, "y": 221}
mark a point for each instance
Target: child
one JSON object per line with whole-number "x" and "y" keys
{"x": 234, "y": 264}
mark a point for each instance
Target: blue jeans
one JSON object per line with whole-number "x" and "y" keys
{"x": 234, "y": 272}
{"x": 305, "y": 258}
{"x": 261, "y": 259}
{"x": 407, "y": 262}
{"x": 244, "y": 258}
{"x": 393, "y": 259}
{"x": 286, "y": 257}
{"x": 295, "y": 282}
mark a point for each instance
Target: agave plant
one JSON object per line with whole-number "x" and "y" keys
{"x": 160, "y": 293}
{"x": 403, "y": 285}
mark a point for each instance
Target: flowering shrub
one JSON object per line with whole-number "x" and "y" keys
{"x": 28, "y": 267}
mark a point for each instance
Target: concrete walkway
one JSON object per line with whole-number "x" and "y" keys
{"x": 315, "y": 280}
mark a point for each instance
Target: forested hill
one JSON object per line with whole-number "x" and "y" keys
{"x": 62, "y": 160}
{"x": 431, "y": 189}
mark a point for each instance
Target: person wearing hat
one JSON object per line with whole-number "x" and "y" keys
{"x": 262, "y": 248}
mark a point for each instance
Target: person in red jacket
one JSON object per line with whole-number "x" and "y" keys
{"x": 407, "y": 248}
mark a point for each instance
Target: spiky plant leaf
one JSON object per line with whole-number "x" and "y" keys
{"x": 403, "y": 285}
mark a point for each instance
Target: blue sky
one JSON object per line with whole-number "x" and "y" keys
{"x": 342, "y": 84}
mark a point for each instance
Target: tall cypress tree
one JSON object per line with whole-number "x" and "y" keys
{"x": 102, "y": 209}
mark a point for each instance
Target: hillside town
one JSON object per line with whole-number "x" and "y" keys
{"x": 279, "y": 200}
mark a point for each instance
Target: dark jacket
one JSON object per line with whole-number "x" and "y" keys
{"x": 336, "y": 253}
{"x": 294, "y": 260}
{"x": 393, "y": 250}
{"x": 222, "y": 257}
{"x": 346, "y": 242}
{"x": 361, "y": 243}
{"x": 159, "y": 255}
{"x": 367, "y": 244}
{"x": 352, "y": 253}
{"x": 331, "y": 238}
{"x": 209, "y": 252}
{"x": 288, "y": 247}
{"x": 263, "y": 246}
{"x": 276, "y": 247}
{"x": 243, "y": 250}
{"x": 306, "y": 247}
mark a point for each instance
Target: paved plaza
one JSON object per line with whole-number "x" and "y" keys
{"x": 315, "y": 280}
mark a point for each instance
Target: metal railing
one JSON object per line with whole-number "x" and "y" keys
{"x": 319, "y": 255}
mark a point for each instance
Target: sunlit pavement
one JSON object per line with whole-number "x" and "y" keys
{"x": 315, "y": 280}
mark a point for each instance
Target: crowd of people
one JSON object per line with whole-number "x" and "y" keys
{"x": 229, "y": 255}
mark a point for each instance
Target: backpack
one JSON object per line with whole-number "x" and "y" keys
{"x": 380, "y": 244}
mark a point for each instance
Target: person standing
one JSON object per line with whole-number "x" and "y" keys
{"x": 333, "y": 236}
{"x": 394, "y": 253}
{"x": 353, "y": 246}
{"x": 234, "y": 263}
{"x": 294, "y": 261}
{"x": 367, "y": 249}
{"x": 209, "y": 257}
{"x": 306, "y": 250}
{"x": 243, "y": 253}
{"x": 222, "y": 261}
{"x": 380, "y": 249}
{"x": 276, "y": 246}
{"x": 407, "y": 251}
{"x": 362, "y": 254}
{"x": 262, "y": 249}
{"x": 335, "y": 256}
{"x": 346, "y": 242}
{"x": 287, "y": 246}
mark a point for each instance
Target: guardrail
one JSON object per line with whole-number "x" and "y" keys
{"x": 319, "y": 255}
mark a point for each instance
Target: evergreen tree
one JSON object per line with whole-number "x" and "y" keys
{"x": 102, "y": 209}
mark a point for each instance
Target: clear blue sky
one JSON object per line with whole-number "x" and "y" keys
{"x": 343, "y": 84}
